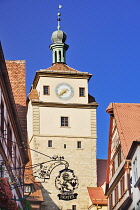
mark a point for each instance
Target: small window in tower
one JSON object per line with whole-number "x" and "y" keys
{"x": 60, "y": 56}
{"x": 79, "y": 145}
{"x": 64, "y": 122}
{"x": 46, "y": 90}
{"x": 73, "y": 207}
{"x": 81, "y": 92}
{"x": 55, "y": 56}
{"x": 65, "y": 146}
{"x": 49, "y": 143}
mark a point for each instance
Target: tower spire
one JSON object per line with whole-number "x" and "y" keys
{"x": 58, "y": 16}
{"x": 59, "y": 47}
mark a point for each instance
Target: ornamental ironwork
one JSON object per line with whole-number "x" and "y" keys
{"x": 66, "y": 182}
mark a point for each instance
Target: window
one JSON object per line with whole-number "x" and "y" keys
{"x": 20, "y": 171}
{"x": 2, "y": 118}
{"x": 64, "y": 122}
{"x": 49, "y": 143}
{"x": 46, "y": 90}
{"x": 9, "y": 139}
{"x": 119, "y": 157}
{"x": 65, "y": 146}
{"x": 55, "y": 57}
{"x": 122, "y": 185}
{"x": 73, "y": 207}
{"x": 78, "y": 144}
{"x": 116, "y": 194}
{"x": 110, "y": 201}
{"x": 135, "y": 169}
{"x": 81, "y": 92}
{"x": 113, "y": 167}
{"x": 27, "y": 188}
{"x": 60, "y": 56}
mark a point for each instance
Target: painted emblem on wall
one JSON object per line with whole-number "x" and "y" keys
{"x": 66, "y": 182}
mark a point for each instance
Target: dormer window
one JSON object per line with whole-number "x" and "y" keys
{"x": 46, "y": 90}
{"x": 81, "y": 92}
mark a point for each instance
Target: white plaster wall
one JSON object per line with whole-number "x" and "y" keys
{"x": 79, "y": 121}
{"x": 82, "y": 127}
{"x": 30, "y": 121}
{"x": 135, "y": 190}
{"x": 53, "y": 82}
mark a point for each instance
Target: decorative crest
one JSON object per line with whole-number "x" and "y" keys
{"x": 66, "y": 182}
{"x": 58, "y": 18}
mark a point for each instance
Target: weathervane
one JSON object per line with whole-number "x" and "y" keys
{"x": 58, "y": 18}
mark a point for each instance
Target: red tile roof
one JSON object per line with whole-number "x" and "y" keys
{"x": 37, "y": 195}
{"x": 61, "y": 67}
{"x": 16, "y": 72}
{"x": 97, "y": 195}
{"x": 33, "y": 94}
{"x": 101, "y": 172}
{"x": 127, "y": 116}
{"x": 29, "y": 179}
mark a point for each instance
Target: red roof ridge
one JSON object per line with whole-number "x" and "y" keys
{"x": 17, "y": 61}
{"x": 61, "y": 67}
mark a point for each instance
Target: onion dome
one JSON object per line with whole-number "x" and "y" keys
{"x": 58, "y": 36}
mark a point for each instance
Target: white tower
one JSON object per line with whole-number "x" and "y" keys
{"x": 62, "y": 122}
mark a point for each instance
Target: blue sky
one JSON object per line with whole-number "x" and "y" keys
{"x": 104, "y": 39}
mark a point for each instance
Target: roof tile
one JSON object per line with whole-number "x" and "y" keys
{"x": 61, "y": 67}
{"x": 33, "y": 94}
{"x": 16, "y": 72}
{"x": 97, "y": 195}
{"x": 127, "y": 116}
{"x": 29, "y": 179}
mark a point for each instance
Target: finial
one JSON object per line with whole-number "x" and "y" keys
{"x": 59, "y": 14}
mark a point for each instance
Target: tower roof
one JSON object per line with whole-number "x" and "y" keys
{"x": 60, "y": 69}
{"x": 59, "y": 47}
{"x": 58, "y": 36}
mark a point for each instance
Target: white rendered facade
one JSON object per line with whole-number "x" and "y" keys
{"x": 134, "y": 156}
{"x": 61, "y": 121}
{"x": 44, "y": 124}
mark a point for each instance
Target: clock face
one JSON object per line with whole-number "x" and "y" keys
{"x": 64, "y": 91}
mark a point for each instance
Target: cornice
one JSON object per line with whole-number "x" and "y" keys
{"x": 61, "y": 136}
{"x": 60, "y": 74}
{"x": 61, "y": 105}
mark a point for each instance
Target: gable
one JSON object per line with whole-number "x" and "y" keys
{"x": 127, "y": 117}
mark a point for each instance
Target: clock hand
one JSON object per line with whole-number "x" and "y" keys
{"x": 63, "y": 91}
